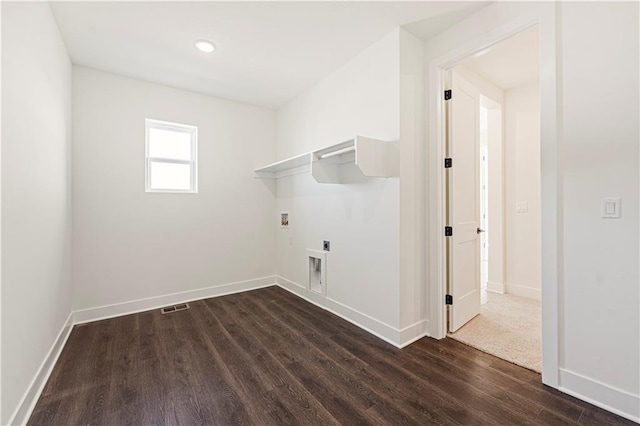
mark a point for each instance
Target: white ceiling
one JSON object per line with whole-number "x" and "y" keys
{"x": 267, "y": 52}
{"x": 426, "y": 28}
{"x": 511, "y": 63}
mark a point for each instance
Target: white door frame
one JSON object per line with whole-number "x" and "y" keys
{"x": 550, "y": 178}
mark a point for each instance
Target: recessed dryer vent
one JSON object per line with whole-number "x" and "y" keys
{"x": 317, "y": 265}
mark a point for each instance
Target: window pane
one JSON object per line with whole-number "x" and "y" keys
{"x": 170, "y": 176}
{"x": 169, "y": 144}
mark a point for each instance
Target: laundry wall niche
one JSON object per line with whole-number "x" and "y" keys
{"x": 317, "y": 281}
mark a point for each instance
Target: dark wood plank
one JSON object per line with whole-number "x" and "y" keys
{"x": 266, "y": 357}
{"x": 307, "y": 371}
{"x": 331, "y": 386}
{"x": 404, "y": 372}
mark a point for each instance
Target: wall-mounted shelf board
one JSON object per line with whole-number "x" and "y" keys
{"x": 375, "y": 158}
{"x": 297, "y": 164}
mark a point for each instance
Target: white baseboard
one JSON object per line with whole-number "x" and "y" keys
{"x": 495, "y": 287}
{"x": 386, "y": 332}
{"x": 514, "y": 289}
{"x": 414, "y": 332}
{"x": 390, "y": 334}
{"x": 31, "y": 396}
{"x": 522, "y": 291}
{"x": 617, "y": 401}
{"x": 157, "y": 302}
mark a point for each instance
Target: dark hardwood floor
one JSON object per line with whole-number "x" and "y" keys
{"x": 266, "y": 357}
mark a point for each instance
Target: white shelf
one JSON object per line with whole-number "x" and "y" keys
{"x": 375, "y": 158}
{"x": 286, "y": 167}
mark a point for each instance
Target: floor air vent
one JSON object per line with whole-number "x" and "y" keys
{"x": 174, "y": 308}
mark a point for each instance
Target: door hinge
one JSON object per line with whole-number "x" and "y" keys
{"x": 448, "y": 162}
{"x": 448, "y": 299}
{"x": 447, "y": 95}
{"x": 448, "y": 231}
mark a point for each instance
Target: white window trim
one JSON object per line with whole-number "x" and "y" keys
{"x": 184, "y": 128}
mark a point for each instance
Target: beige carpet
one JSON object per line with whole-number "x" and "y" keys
{"x": 507, "y": 327}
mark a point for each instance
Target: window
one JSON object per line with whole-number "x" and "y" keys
{"x": 171, "y": 164}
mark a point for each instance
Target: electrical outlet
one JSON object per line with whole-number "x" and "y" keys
{"x": 326, "y": 246}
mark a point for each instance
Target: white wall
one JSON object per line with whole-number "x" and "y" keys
{"x": 36, "y": 195}
{"x": 376, "y": 226}
{"x": 1, "y": 214}
{"x": 131, "y": 245}
{"x": 596, "y": 264}
{"x": 360, "y": 218}
{"x": 522, "y": 185}
{"x": 413, "y": 233}
{"x": 496, "y": 179}
{"x": 362, "y": 96}
{"x": 600, "y": 141}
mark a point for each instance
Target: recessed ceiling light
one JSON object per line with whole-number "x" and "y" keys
{"x": 205, "y": 46}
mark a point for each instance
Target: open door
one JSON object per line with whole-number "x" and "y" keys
{"x": 463, "y": 211}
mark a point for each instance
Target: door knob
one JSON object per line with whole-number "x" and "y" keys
{"x": 480, "y": 230}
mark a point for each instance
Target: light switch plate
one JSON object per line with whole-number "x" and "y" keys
{"x": 611, "y": 208}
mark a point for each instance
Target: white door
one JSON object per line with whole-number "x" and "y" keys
{"x": 464, "y": 202}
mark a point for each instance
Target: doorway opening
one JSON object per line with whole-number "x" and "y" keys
{"x": 493, "y": 201}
